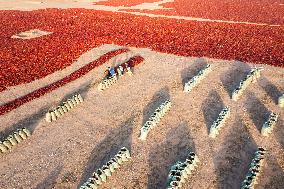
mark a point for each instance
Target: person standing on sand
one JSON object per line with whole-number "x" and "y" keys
{"x": 120, "y": 70}
{"x": 110, "y": 72}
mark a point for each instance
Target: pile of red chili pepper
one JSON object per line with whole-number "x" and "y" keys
{"x": 77, "y": 30}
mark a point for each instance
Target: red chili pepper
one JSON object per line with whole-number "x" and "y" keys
{"x": 78, "y": 30}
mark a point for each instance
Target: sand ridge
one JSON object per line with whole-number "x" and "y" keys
{"x": 31, "y": 34}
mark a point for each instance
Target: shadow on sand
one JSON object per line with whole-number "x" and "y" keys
{"x": 159, "y": 97}
{"x": 30, "y": 122}
{"x": 257, "y": 110}
{"x": 232, "y": 161}
{"x": 82, "y": 90}
{"x": 190, "y": 72}
{"x": 278, "y": 132}
{"x": 274, "y": 173}
{"x": 107, "y": 148}
{"x": 211, "y": 107}
{"x": 270, "y": 89}
{"x": 235, "y": 74}
{"x": 176, "y": 147}
{"x": 50, "y": 181}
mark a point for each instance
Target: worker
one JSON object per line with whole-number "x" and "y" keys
{"x": 121, "y": 71}
{"x": 109, "y": 73}
{"x": 106, "y": 74}
{"x": 128, "y": 69}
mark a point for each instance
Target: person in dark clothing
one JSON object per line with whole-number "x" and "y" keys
{"x": 110, "y": 72}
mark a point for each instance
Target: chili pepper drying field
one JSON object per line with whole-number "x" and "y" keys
{"x": 168, "y": 41}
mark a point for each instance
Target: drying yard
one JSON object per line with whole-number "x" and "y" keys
{"x": 196, "y": 100}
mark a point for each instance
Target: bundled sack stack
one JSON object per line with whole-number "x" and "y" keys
{"x": 106, "y": 83}
{"x": 181, "y": 170}
{"x": 155, "y": 119}
{"x": 252, "y": 77}
{"x": 269, "y": 125}
{"x": 254, "y": 170}
{"x": 54, "y": 114}
{"x": 107, "y": 170}
{"x": 220, "y": 122}
{"x": 197, "y": 79}
{"x": 14, "y": 139}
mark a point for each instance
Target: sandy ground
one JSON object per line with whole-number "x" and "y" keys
{"x": 31, "y": 34}
{"x": 63, "y": 154}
